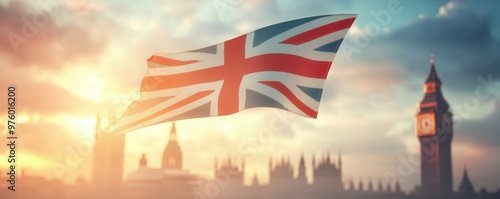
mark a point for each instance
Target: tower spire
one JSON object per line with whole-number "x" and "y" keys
{"x": 172, "y": 155}
{"x": 433, "y": 78}
{"x": 302, "y": 163}
{"x": 466, "y": 188}
{"x": 360, "y": 185}
{"x": 98, "y": 122}
{"x": 216, "y": 162}
{"x": 351, "y": 185}
{"x": 432, "y": 60}
{"x": 370, "y": 185}
{"x": 143, "y": 162}
{"x": 243, "y": 164}
{"x": 397, "y": 187}
{"x": 340, "y": 160}
{"x": 339, "y": 166}
{"x": 313, "y": 161}
{"x": 302, "y": 168}
{"x": 173, "y": 133}
{"x": 380, "y": 186}
{"x": 270, "y": 163}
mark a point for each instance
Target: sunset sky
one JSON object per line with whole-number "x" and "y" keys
{"x": 90, "y": 57}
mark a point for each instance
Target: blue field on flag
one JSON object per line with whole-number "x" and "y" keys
{"x": 280, "y": 66}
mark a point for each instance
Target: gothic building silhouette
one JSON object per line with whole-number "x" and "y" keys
{"x": 434, "y": 129}
{"x": 172, "y": 155}
{"x": 109, "y": 154}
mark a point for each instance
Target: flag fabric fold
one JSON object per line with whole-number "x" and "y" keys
{"x": 281, "y": 66}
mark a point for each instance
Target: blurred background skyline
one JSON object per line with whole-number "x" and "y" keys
{"x": 89, "y": 56}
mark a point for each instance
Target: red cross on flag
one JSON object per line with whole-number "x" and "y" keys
{"x": 281, "y": 66}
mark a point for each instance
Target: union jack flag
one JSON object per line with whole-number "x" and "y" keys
{"x": 282, "y": 66}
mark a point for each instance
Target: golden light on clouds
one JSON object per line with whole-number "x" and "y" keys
{"x": 367, "y": 110}
{"x": 29, "y": 162}
{"x": 88, "y": 86}
{"x": 82, "y": 125}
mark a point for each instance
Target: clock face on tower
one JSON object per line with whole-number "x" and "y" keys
{"x": 426, "y": 124}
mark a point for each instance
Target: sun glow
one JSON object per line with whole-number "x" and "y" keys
{"x": 90, "y": 87}
{"x": 29, "y": 162}
{"x": 83, "y": 125}
{"x": 224, "y": 126}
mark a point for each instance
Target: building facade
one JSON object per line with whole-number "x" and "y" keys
{"x": 108, "y": 155}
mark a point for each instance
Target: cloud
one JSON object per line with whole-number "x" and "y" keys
{"x": 42, "y": 96}
{"x": 45, "y": 142}
{"x": 215, "y": 21}
{"x": 483, "y": 132}
{"x": 461, "y": 39}
{"x": 31, "y": 134}
{"x": 53, "y": 37}
{"x": 450, "y": 6}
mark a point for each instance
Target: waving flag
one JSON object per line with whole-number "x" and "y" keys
{"x": 282, "y": 66}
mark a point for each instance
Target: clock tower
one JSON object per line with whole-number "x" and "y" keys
{"x": 172, "y": 155}
{"x": 435, "y": 131}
